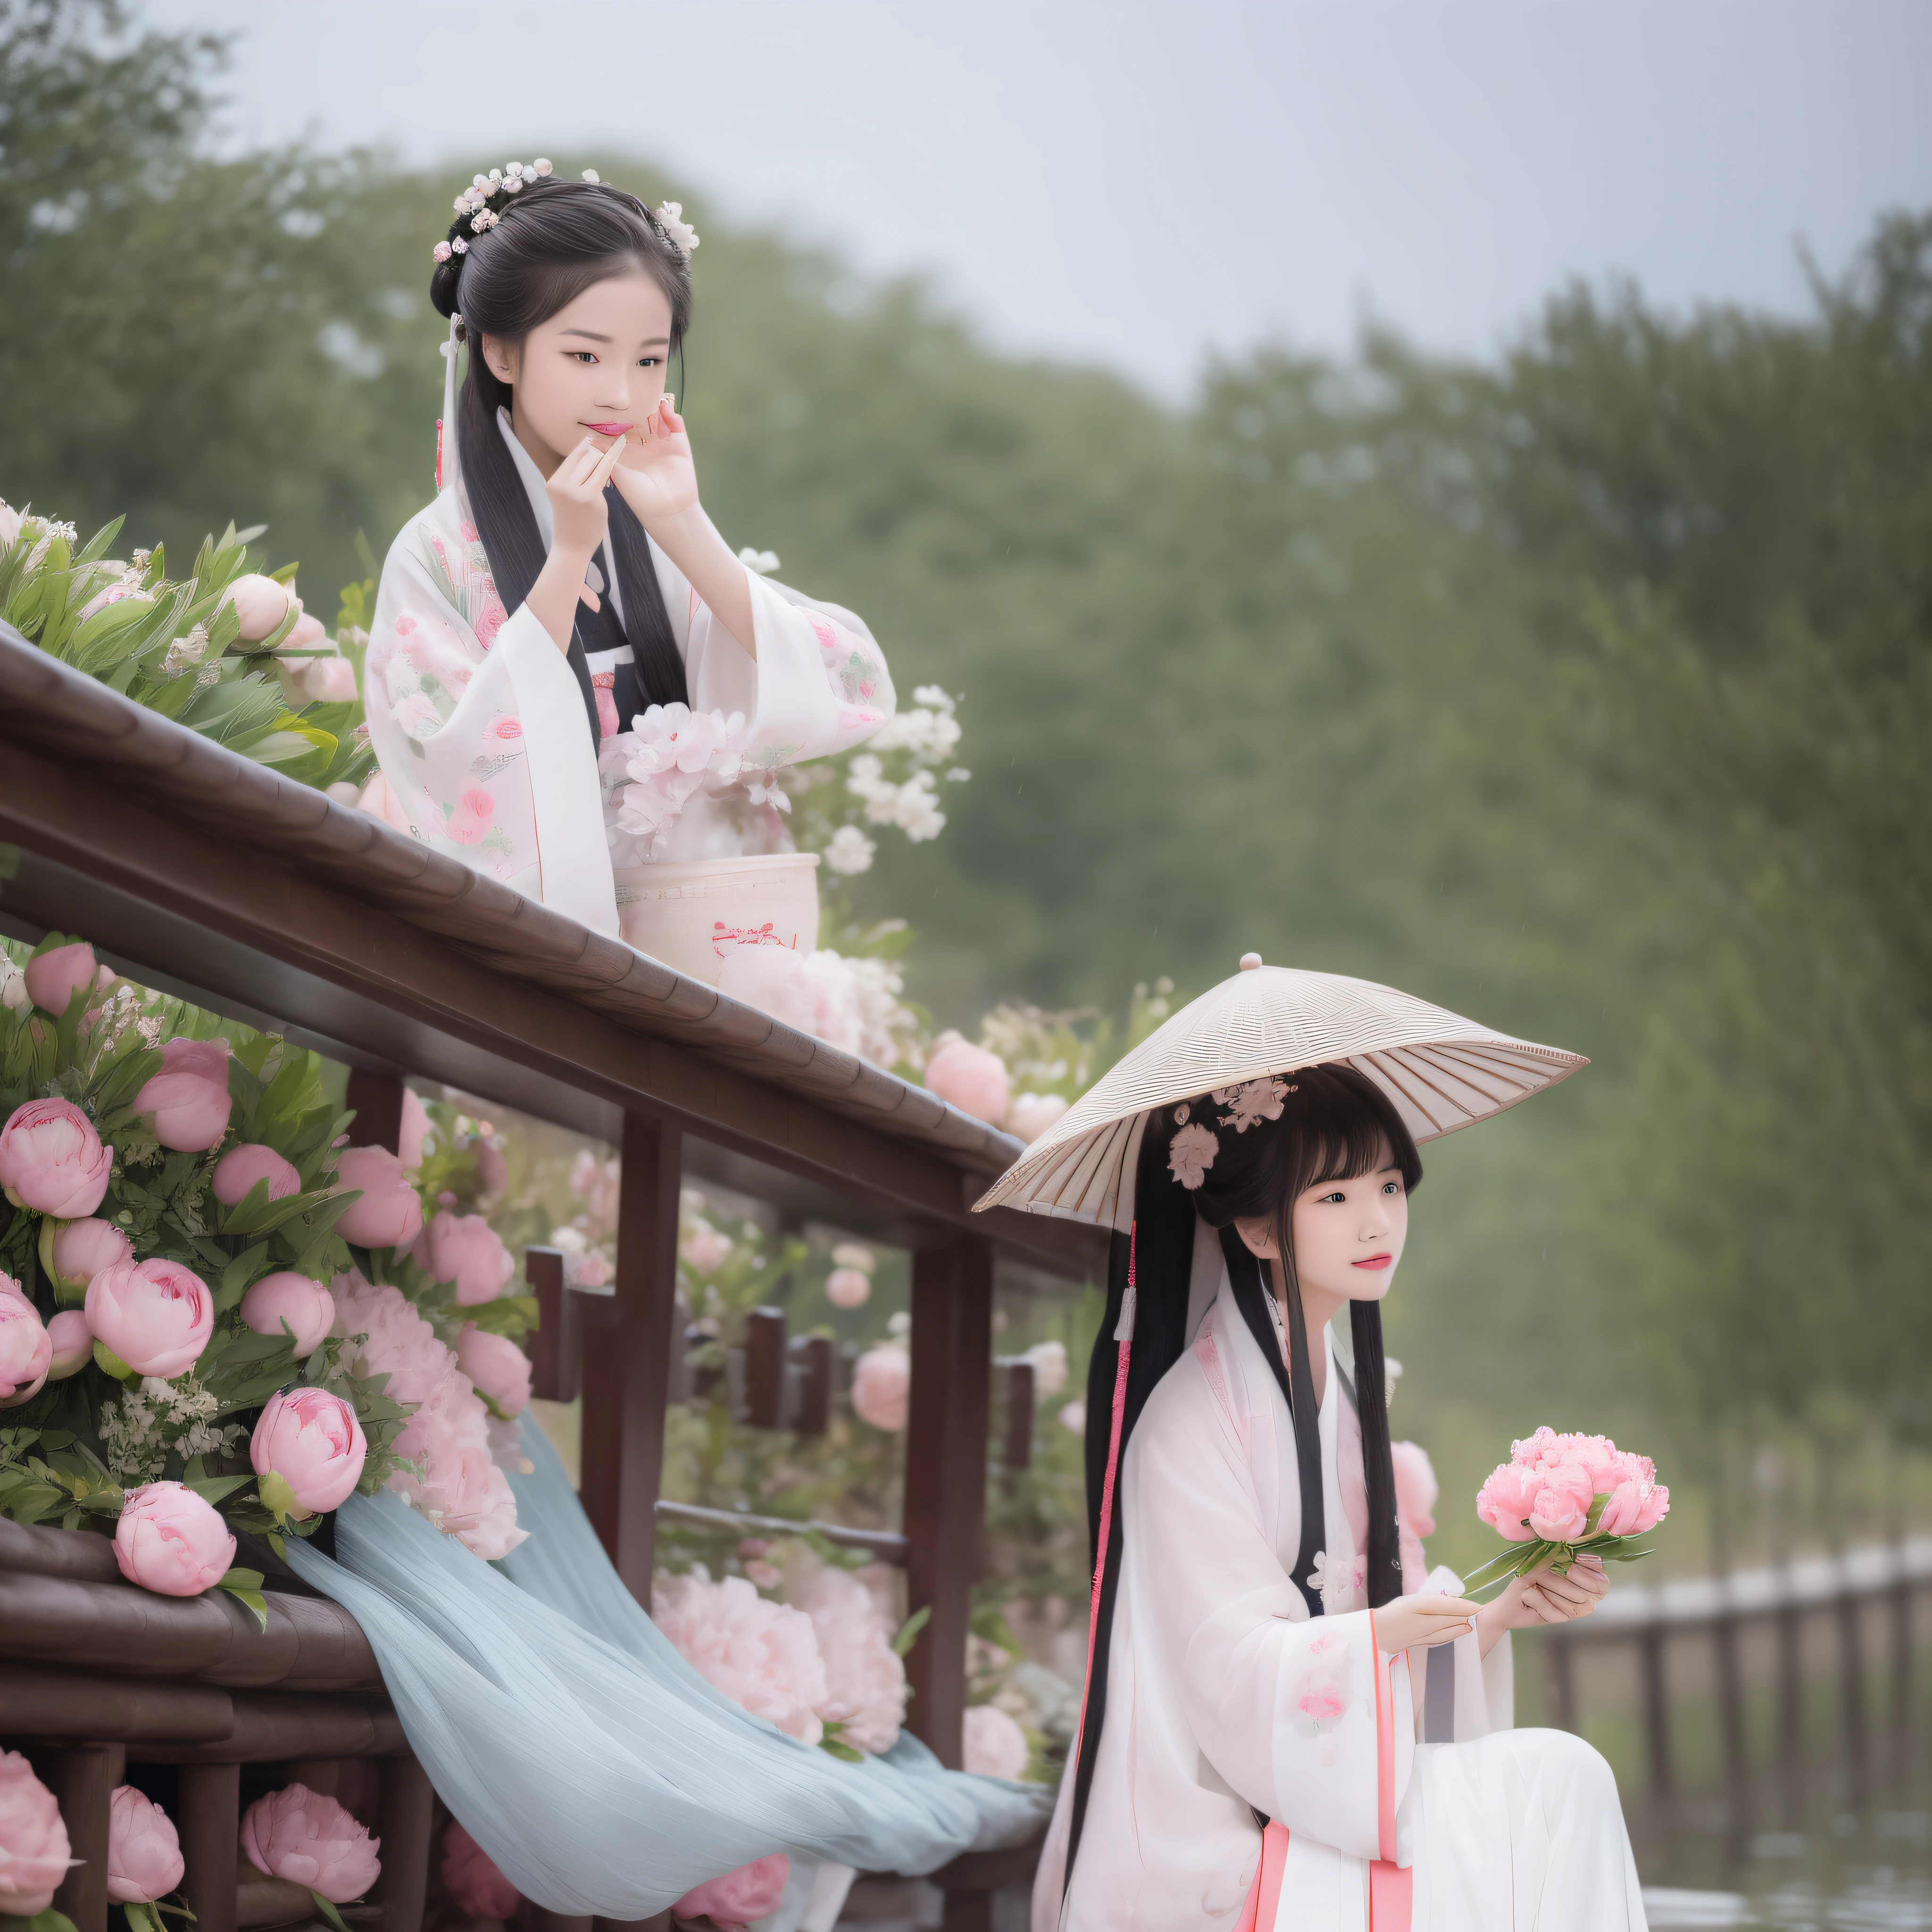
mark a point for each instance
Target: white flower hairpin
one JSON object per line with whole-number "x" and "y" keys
{"x": 669, "y": 215}
{"x": 498, "y": 185}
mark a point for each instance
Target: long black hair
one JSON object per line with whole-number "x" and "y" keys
{"x": 1335, "y": 1124}
{"x": 552, "y": 241}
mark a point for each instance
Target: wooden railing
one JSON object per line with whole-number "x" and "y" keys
{"x": 201, "y": 874}
{"x": 1667, "y": 1624}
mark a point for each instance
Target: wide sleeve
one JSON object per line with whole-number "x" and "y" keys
{"x": 480, "y": 727}
{"x": 817, "y": 686}
{"x": 1283, "y": 1707}
{"x": 1465, "y": 1695}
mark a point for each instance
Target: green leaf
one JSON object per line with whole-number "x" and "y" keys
{"x": 277, "y": 1498}
{"x": 110, "y": 1364}
{"x": 328, "y": 1911}
{"x": 909, "y": 1631}
{"x": 218, "y": 1489}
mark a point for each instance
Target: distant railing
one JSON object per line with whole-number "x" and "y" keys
{"x": 1850, "y": 1589}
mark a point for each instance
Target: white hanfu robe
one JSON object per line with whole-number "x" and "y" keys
{"x": 480, "y": 725}
{"x": 1225, "y": 1697}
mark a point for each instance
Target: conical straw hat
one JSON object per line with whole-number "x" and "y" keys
{"x": 1441, "y": 1071}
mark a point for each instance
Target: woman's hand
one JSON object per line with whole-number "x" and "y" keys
{"x": 656, "y": 473}
{"x": 1424, "y": 1620}
{"x": 1543, "y": 1597}
{"x": 579, "y": 517}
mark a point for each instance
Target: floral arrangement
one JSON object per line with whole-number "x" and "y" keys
{"x": 216, "y": 1316}
{"x": 1561, "y": 1497}
{"x": 226, "y": 652}
{"x": 294, "y": 1833}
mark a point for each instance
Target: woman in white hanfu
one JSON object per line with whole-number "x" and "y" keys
{"x": 1286, "y": 1727}
{"x": 566, "y": 656}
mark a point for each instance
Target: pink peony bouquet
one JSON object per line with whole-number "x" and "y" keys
{"x": 1561, "y": 1497}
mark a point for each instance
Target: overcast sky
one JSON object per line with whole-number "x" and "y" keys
{"x": 1140, "y": 184}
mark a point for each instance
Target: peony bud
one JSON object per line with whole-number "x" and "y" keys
{"x": 171, "y": 1540}
{"x": 1505, "y": 1501}
{"x": 52, "y": 1160}
{"x": 847, "y": 1288}
{"x": 186, "y": 1104}
{"x": 752, "y": 1891}
{"x": 993, "y": 1746}
{"x": 34, "y": 1853}
{"x": 495, "y": 1366}
{"x": 144, "y": 1854}
{"x": 308, "y": 633}
{"x": 53, "y": 978}
{"x": 155, "y": 1315}
{"x": 26, "y": 1349}
{"x": 312, "y": 1440}
{"x": 237, "y": 1171}
{"x": 469, "y": 1875}
{"x": 389, "y": 1214}
{"x": 72, "y": 1342}
{"x": 305, "y": 1306}
{"x": 298, "y": 1834}
{"x": 83, "y": 1248}
{"x": 329, "y": 680}
{"x": 1031, "y": 1114}
{"x": 413, "y": 1130}
{"x": 466, "y": 1250}
{"x": 970, "y": 1079}
{"x": 882, "y": 1388}
{"x": 261, "y": 604}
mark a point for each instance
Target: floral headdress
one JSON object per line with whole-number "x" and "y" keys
{"x": 1191, "y": 1152}
{"x": 478, "y": 208}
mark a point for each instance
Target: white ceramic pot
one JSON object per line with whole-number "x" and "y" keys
{"x": 692, "y": 914}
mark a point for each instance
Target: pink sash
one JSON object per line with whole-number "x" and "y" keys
{"x": 1391, "y": 1886}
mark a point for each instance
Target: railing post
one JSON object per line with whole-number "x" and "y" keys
{"x": 626, "y": 1375}
{"x": 1731, "y": 1718}
{"x": 945, "y": 1476}
{"x": 765, "y": 1367}
{"x": 377, "y": 1099}
{"x": 556, "y": 1348}
{"x": 1851, "y": 1692}
{"x": 405, "y": 1811}
{"x": 1901, "y": 1677}
{"x": 1656, "y": 1711}
{"x": 1018, "y": 1454}
{"x": 82, "y": 1778}
{"x": 208, "y": 1813}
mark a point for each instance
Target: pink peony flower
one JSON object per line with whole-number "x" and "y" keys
{"x": 155, "y": 1315}
{"x": 34, "y": 1850}
{"x": 469, "y": 1875}
{"x": 313, "y": 1440}
{"x": 970, "y": 1079}
{"x": 1561, "y": 1508}
{"x": 83, "y": 1248}
{"x": 882, "y": 1387}
{"x": 389, "y": 1214}
{"x": 1031, "y": 1114}
{"x": 415, "y": 1129}
{"x": 1634, "y": 1506}
{"x": 1416, "y": 1488}
{"x": 327, "y": 679}
{"x": 1191, "y": 1153}
{"x": 461, "y": 1487}
{"x": 865, "y": 1678}
{"x": 186, "y": 1104}
{"x": 704, "y": 1248}
{"x": 396, "y": 1341}
{"x": 298, "y": 1834}
{"x": 496, "y": 1365}
{"x": 286, "y": 1302}
{"x": 763, "y": 1656}
{"x": 995, "y": 1746}
{"x": 26, "y": 1348}
{"x": 466, "y": 1250}
{"x": 52, "y": 1160}
{"x": 237, "y": 1171}
{"x": 752, "y": 1891}
{"x": 1504, "y": 1502}
{"x": 773, "y": 979}
{"x": 53, "y": 978}
{"x": 307, "y": 634}
{"x": 847, "y": 1288}
{"x": 72, "y": 1342}
{"x": 144, "y": 1854}
{"x": 1073, "y": 1418}
{"x": 261, "y": 604}
{"x": 171, "y": 1540}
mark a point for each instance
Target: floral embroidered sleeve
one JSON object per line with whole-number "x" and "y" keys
{"x": 479, "y": 724}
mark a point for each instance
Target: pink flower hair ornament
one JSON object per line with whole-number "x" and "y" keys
{"x": 1191, "y": 1152}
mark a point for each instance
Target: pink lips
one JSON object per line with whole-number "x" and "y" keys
{"x": 608, "y": 429}
{"x": 1375, "y": 1262}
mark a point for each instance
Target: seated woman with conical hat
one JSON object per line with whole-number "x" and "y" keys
{"x": 1281, "y": 1730}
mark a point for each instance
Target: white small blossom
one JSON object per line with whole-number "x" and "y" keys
{"x": 850, "y": 852}
{"x": 669, "y": 216}
{"x": 764, "y": 562}
{"x": 543, "y": 167}
{"x": 186, "y": 651}
{"x": 592, "y": 175}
